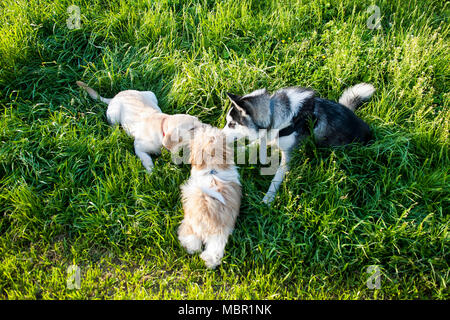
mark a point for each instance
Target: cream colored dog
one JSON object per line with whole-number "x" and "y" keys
{"x": 211, "y": 197}
{"x": 141, "y": 118}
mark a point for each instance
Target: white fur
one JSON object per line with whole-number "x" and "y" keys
{"x": 191, "y": 243}
{"x": 358, "y": 93}
{"x": 204, "y": 183}
{"x": 285, "y": 144}
{"x": 140, "y": 116}
{"x": 203, "y": 179}
{"x": 214, "y": 194}
{"x": 255, "y": 93}
{"x": 227, "y": 175}
{"x": 214, "y": 249}
{"x": 297, "y": 99}
{"x": 239, "y": 131}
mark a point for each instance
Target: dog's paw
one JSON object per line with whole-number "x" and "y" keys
{"x": 268, "y": 198}
{"x": 191, "y": 243}
{"x": 149, "y": 170}
{"x": 211, "y": 261}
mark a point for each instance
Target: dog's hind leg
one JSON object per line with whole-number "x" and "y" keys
{"x": 113, "y": 113}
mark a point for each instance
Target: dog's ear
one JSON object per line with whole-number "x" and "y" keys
{"x": 235, "y": 99}
{"x": 238, "y": 102}
{"x": 171, "y": 139}
{"x": 179, "y": 147}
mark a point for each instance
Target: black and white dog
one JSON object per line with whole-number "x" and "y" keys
{"x": 296, "y": 112}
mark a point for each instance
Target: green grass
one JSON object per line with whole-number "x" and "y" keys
{"x": 73, "y": 192}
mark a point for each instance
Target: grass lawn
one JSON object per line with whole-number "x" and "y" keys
{"x": 73, "y": 193}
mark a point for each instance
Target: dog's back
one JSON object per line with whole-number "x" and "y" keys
{"x": 210, "y": 205}
{"x": 337, "y": 125}
{"x": 128, "y": 106}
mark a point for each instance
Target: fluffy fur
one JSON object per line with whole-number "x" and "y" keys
{"x": 294, "y": 113}
{"x": 141, "y": 118}
{"x": 354, "y": 96}
{"x": 211, "y": 197}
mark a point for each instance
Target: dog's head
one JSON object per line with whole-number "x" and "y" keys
{"x": 209, "y": 149}
{"x": 178, "y": 130}
{"x": 247, "y": 114}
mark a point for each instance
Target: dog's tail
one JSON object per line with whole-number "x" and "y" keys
{"x": 94, "y": 94}
{"x": 354, "y": 96}
{"x": 213, "y": 194}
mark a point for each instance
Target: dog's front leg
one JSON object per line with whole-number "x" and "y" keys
{"x": 214, "y": 250}
{"x": 278, "y": 178}
{"x": 141, "y": 151}
{"x": 188, "y": 239}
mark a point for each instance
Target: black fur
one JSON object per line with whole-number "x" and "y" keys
{"x": 342, "y": 125}
{"x": 302, "y": 120}
{"x": 336, "y": 124}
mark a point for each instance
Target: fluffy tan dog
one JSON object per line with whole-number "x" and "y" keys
{"x": 141, "y": 118}
{"x": 211, "y": 197}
